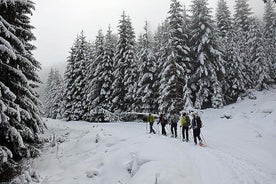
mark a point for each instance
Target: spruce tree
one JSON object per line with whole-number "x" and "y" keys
{"x": 208, "y": 65}
{"x": 94, "y": 78}
{"x": 242, "y": 15}
{"x": 107, "y": 73}
{"x": 147, "y": 68}
{"x": 47, "y": 99}
{"x": 270, "y": 33}
{"x": 258, "y": 58}
{"x": 74, "y": 80}
{"x": 159, "y": 49}
{"x": 235, "y": 78}
{"x": 233, "y": 86}
{"x": 242, "y": 19}
{"x": 174, "y": 63}
{"x": 131, "y": 72}
{"x": 223, "y": 18}
{"x": 124, "y": 62}
{"x": 19, "y": 114}
{"x": 53, "y": 98}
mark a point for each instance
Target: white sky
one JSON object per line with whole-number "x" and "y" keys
{"x": 58, "y": 22}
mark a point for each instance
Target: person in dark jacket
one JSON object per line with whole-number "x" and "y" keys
{"x": 151, "y": 121}
{"x": 173, "y": 122}
{"x": 196, "y": 126}
{"x": 163, "y": 121}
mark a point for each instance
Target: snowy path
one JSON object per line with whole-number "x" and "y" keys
{"x": 240, "y": 150}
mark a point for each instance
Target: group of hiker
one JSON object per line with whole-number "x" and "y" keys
{"x": 185, "y": 124}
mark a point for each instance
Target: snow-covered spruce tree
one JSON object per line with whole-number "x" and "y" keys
{"x": 223, "y": 18}
{"x": 235, "y": 78}
{"x": 270, "y": 33}
{"x": 107, "y": 73}
{"x": 187, "y": 93}
{"x": 242, "y": 19}
{"x": 123, "y": 65}
{"x": 258, "y": 58}
{"x": 208, "y": 65}
{"x": 48, "y": 94}
{"x": 147, "y": 68}
{"x": 19, "y": 114}
{"x": 74, "y": 80}
{"x": 233, "y": 86}
{"x": 174, "y": 62}
{"x": 131, "y": 72}
{"x": 94, "y": 78}
{"x": 160, "y": 40}
{"x": 242, "y": 15}
{"x": 53, "y": 95}
{"x": 58, "y": 95}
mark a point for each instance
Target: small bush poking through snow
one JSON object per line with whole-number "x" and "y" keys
{"x": 92, "y": 173}
{"x": 227, "y": 115}
{"x": 97, "y": 138}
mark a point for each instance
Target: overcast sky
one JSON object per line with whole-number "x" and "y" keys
{"x": 58, "y": 22}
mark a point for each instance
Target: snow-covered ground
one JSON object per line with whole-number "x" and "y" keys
{"x": 240, "y": 150}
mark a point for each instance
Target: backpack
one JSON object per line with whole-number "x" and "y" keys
{"x": 198, "y": 122}
{"x": 187, "y": 120}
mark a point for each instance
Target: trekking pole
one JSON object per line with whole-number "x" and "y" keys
{"x": 146, "y": 127}
{"x": 192, "y": 135}
{"x": 202, "y": 137}
{"x": 166, "y": 129}
{"x": 180, "y": 133}
{"x": 158, "y": 126}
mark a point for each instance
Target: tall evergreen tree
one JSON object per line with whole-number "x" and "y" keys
{"x": 48, "y": 94}
{"x": 242, "y": 19}
{"x": 270, "y": 33}
{"x": 159, "y": 48}
{"x": 131, "y": 72}
{"x": 235, "y": 78}
{"x": 242, "y": 15}
{"x": 74, "y": 80}
{"x": 147, "y": 67}
{"x": 223, "y": 17}
{"x": 175, "y": 63}
{"x": 95, "y": 70}
{"x": 53, "y": 95}
{"x": 19, "y": 114}
{"x": 258, "y": 58}
{"x": 124, "y": 62}
{"x": 107, "y": 73}
{"x": 208, "y": 64}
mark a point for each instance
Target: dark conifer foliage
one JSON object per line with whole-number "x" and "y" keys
{"x": 19, "y": 114}
{"x": 74, "y": 80}
{"x": 146, "y": 69}
{"x": 223, "y": 18}
{"x": 124, "y": 65}
{"x": 208, "y": 64}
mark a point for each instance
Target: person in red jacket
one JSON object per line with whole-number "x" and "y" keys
{"x": 163, "y": 121}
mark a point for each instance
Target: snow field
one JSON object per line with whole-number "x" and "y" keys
{"x": 239, "y": 150}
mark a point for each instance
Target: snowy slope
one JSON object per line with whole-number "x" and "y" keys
{"x": 239, "y": 150}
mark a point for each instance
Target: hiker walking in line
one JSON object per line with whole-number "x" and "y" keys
{"x": 196, "y": 125}
{"x": 151, "y": 121}
{"x": 163, "y": 121}
{"x": 185, "y": 124}
{"x": 173, "y": 122}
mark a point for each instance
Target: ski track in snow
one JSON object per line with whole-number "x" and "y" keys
{"x": 238, "y": 151}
